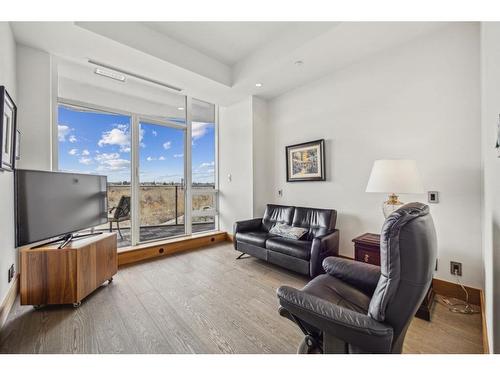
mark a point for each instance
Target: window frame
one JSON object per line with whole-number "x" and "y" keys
{"x": 135, "y": 119}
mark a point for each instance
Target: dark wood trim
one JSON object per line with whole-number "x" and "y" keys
{"x": 155, "y": 250}
{"x": 9, "y": 300}
{"x": 486, "y": 346}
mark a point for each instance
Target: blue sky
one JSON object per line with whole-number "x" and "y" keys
{"x": 100, "y": 143}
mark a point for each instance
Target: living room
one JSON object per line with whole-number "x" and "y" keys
{"x": 249, "y": 187}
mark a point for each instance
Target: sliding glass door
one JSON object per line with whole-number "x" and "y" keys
{"x": 161, "y": 180}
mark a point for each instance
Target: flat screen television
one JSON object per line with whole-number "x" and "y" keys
{"x": 51, "y": 204}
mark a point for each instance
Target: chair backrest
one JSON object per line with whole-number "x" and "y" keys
{"x": 123, "y": 208}
{"x": 317, "y": 221}
{"x": 408, "y": 249}
{"x": 277, "y": 214}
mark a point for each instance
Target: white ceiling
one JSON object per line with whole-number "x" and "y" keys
{"x": 228, "y": 42}
{"x": 221, "y": 62}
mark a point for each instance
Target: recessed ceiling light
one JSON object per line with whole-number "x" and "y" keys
{"x": 258, "y": 85}
{"x": 110, "y": 74}
{"x": 299, "y": 62}
{"x": 180, "y": 108}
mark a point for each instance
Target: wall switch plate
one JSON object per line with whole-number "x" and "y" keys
{"x": 433, "y": 196}
{"x": 456, "y": 268}
{"x": 11, "y": 273}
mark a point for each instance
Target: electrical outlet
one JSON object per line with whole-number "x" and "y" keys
{"x": 456, "y": 268}
{"x": 11, "y": 273}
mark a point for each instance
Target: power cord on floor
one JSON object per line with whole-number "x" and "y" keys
{"x": 457, "y": 306}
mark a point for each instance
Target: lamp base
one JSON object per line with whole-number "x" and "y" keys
{"x": 391, "y": 205}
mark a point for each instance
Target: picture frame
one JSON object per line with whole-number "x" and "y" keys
{"x": 306, "y": 161}
{"x": 8, "y": 130}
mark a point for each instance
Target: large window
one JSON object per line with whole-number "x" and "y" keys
{"x": 150, "y": 204}
{"x": 204, "y": 182}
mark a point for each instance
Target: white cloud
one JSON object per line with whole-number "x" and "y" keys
{"x": 111, "y": 162}
{"x": 73, "y": 151}
{"x": 199, "y": 129}
{"x": 149, "y": 158}
{"x": 205, "y": 165}
{"x": 105, "y": 156}
{"x": 155, "y": 133}
{"x": 161, "y": 158}
{"x": 72, "y": 138}
{"x": 85, "y": 161}
{"x": 62, "y": 132}
{"x": 114, "y": 165}
{"x": 118, "y": 136}
{"x": 167, "y": 145}
{"x": 85, "y": 152}
{"x": 178, "y": 155}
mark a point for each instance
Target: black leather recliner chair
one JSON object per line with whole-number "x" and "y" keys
{"x": 305, "y": 255}
{"x": 361, "y": 308}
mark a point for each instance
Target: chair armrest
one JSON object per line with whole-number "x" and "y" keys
{"x": 111, "y": 209}
{"x": 363, "y": 276}
{"x": 349, "y": 326}
{"x": 322, "y": 247}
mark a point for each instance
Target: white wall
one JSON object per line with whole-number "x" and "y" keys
{"x": 490, "y": 102}
{"x": 261, "y": 165}
{"x": 8, "y": 253}
{"x": 418, "y": 101}
{"x": 34, "y": 71}
{"x": 235, "y": 159}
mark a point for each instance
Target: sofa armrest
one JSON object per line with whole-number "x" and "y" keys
{"x": 363, "y": 276}
{"x": 349, "y": 326}
{"x": 246, "y": 226}
{"x": 322, "y": 247}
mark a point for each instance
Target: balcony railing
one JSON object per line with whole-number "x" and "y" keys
{"x": 161, "y": 210}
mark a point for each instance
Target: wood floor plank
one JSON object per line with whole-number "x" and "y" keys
{"x": 199, "y": 302}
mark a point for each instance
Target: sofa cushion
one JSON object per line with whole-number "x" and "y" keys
{"x": 318, "y": 222}
{"x": 256, "y": 238}
{"x": 277, "y": 214}
{"x": 295, "y": 248}
{"x": 338, "y": 292}
{"x": 287, "y": 231}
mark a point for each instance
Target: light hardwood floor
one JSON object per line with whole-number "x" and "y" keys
{"x": 202, "y": 301}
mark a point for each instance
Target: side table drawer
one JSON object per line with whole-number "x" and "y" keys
{"x": 366, "y": 256}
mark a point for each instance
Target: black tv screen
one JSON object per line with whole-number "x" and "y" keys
{"x": 50, "y": 204}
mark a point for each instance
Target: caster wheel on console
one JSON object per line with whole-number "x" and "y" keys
{"x": 110, "y": 280}
{"x": 77, "y": 304}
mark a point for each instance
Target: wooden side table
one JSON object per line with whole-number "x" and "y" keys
{"x": 367, "y": 250}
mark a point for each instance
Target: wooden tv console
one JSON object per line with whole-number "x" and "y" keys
{"x": 52, "y": 276}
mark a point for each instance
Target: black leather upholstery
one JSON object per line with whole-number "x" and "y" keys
{"x": 318, "y": 221}
{"x": 304, "y": 255}
{"x": 333, "y": 309}
{"x": 257, "y": 238}
{"x": 296, "y": 248}
{"x": 277, "y": 214}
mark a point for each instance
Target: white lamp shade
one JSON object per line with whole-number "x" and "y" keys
{"x": 394, "y": 176}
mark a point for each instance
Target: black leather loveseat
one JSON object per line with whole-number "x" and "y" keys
{"x": 304, "y": 255}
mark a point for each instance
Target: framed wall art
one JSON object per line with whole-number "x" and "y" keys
{"x": 8, "y": 112}
{"x": 306, "y": 161}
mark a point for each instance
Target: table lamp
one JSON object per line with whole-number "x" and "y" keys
{"x": 394, "y": 176}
